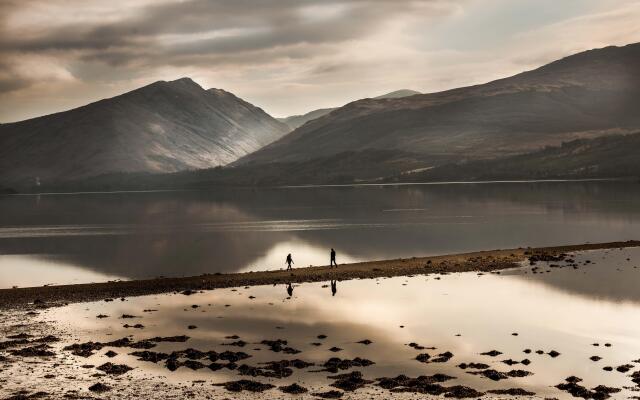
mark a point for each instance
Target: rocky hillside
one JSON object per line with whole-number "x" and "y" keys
{"x": 159, "y": 128}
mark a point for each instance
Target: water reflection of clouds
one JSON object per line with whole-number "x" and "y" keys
{"x": 188, "y": 233}
{"x": 485, "y": 310}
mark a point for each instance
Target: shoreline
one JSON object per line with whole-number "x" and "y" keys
{"x": 480, "y": 261}
{"x": 52, "y": 192}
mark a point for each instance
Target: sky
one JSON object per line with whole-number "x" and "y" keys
{"x": 286, "y": 56}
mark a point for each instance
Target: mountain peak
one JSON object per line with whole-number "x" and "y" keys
{"x": 166, "y": 126}
{"x": 398, "y": 94}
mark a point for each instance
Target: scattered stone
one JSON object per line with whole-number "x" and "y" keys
{"x": 462, "y": 392}
{"x": 114, "y": 369}
{"x": 35, "y": 351}
{"x": 491, "y": 374}
{"x": 47, "y": 339}
{"x": 366, "y": 342}
{"x": 443, "y": 357}
{"x": 473, "y": 366}
{"x": 335, "y": 364}
{"x": 553, "y": 353}
{"x": 280, "y": 345}
{"x": 573, "y": 387}
{"x": 293, "y": 389}
{"x": 231, "y": 356}
{"x": 83, "y": 349}
{"x": 19, "y": 336}
{"x": 99, "y": 388}
{"x": 595, "y": 358}
{"x": 492, "y": 353}
{"x": 421, "y": 384}
{"x": 244, "y": 384}
{"x": 624, "y": 368}
{"x": 193, "y": 365}
{"x": 512, "y": 392}
{"x": 110, "y": 354}
{"x": 331, "y": 394}
{"x": 518, "y": 373}
{"x": 349, "y": 382}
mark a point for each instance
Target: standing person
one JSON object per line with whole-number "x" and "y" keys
{"x": 289, "y": 261}
{"x": 333, "y": 258}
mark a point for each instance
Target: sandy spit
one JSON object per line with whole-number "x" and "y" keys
{"x": 483, "y": 261}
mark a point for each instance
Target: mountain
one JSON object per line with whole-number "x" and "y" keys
{"x": 163, "y": 127}
{"x": 296, "y": 121}
{"x": 612, "y": 156}
{"x": 398, "y": 94}
{"x": 585, "y": 95}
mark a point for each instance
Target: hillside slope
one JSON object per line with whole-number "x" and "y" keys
{"x": 162, "y": 127}
{"x": 586, "y": 95}
{"x": 616, "y": 156}
{"x": 296, "y": 121}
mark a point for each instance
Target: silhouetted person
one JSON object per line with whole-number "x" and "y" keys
{"x": 289, "y": 290}
{"x": 289, "y": 261}
{"x": 333, "y": 258}
{"x": 334, "y": 287}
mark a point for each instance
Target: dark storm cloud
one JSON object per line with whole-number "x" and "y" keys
{"x": 289, "y": 56}
{"x": 202, "y": 30}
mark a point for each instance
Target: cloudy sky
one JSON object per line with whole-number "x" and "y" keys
{"x": 286, "y": 56}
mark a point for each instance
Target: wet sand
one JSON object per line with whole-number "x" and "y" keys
{"x": 484, "y": 261}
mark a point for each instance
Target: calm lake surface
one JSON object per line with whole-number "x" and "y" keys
{"x": 72, "y": 238}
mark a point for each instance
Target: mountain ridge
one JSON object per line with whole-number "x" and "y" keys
{"x": 295, "y": 121}
{"x": 166, "y": 126}
{"x": 587, "y": 94}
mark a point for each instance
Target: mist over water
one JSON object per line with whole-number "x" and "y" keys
{"x": 57, "y": 239}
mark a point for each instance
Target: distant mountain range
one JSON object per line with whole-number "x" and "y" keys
{"x": 160, "y": 128}
{"x": 296, "y": 121}
{"x": 577, "y": 117}
{"x": 586, "y": 95}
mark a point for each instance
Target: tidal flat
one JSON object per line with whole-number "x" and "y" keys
{"x": 556, "y": 325}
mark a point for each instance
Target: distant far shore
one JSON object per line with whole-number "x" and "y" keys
{"x": 63, "y": 190}
{"x": 482, "y": 261}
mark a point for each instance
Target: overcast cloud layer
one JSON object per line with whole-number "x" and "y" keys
{"x": 287, "y": 56}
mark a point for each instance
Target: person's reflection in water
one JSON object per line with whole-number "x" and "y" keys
{"x": 334, "y": 287}
{"x": 289, "y": 289}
